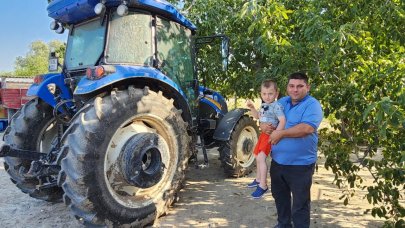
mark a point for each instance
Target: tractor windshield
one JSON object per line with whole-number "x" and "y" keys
{"x": 85, "y": 45}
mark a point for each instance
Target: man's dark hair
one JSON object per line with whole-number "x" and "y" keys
{"x": 298, "y": 75}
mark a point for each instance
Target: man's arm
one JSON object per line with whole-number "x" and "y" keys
{"x": 298, "y": 131}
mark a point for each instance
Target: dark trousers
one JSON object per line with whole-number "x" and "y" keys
{"x": 292, "y": 183}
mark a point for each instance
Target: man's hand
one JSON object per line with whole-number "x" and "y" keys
{"x": 276, "y": 136}
{"x": 267, "y": 128}
{"x": 298, "y": 131}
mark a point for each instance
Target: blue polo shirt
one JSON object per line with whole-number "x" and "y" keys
{"x": 299, "y": 151}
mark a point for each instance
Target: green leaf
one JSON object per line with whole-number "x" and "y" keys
{"x": 353, "y": 39}
{"x": 386, "y": 106}
{"x": 285, "y": 16}
{"x": 368, "y": 110}
{"x": 395, "y": 119}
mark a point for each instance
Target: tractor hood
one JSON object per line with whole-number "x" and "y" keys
{"x": 75, "y": 11}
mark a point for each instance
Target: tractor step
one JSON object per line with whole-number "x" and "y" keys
{"x": 8, "y": 151}
{"x": 47, "y": 185}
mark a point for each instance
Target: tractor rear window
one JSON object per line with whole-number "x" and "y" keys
{"x": 130, "y": 39}
{"x": 85, "y": 45}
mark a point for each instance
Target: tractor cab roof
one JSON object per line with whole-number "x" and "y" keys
{"x": 75, "y": 11}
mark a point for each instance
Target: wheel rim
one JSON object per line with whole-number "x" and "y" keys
{"x": 47, "y": 136}
{"x": 244, "y": 146}
{"x": 43, "y": 142}
{"x": 122, "y": 190}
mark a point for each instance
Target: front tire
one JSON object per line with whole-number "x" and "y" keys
{"x": 126, "y": 157}
{"x": 236, "y": 154}
{"x": 33, "y": 127}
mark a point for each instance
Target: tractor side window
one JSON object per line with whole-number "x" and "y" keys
{"x": 130, "y": 39}
{"x": 174, "y": 54}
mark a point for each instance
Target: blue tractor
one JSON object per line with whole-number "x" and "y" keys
{"x": 113, "y": 133}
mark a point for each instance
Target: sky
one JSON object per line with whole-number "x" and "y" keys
{"x": 21, "y": 23}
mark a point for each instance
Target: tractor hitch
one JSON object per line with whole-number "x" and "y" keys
{"x": 39, "y": 169}
{"x": 8, "y": 151}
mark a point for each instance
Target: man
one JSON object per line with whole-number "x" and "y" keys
{"x": 294, "y": 153}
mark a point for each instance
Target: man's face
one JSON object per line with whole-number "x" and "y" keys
{"x": 297, "y": 89}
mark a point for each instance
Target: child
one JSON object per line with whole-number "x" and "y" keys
{"x": 270, "y": 112}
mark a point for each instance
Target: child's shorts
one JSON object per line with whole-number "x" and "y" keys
{"x": 263, "y": 144}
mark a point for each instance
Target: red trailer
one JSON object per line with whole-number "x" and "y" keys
{"x": 13, "y": 95}
{"x": 14, "y": 98}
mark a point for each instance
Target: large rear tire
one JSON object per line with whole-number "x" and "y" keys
{"x": 33, "y": 127}
{"x": 126, "y": 157}
{"x": 236, "y": 154}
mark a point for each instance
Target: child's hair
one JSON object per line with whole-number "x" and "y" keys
{"x": 268, "y": 83}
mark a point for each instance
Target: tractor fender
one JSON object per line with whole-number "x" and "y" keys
{"x": 139, "y": 76}
{"x": 227, "y": 124}
{"x": 42, "y": 91}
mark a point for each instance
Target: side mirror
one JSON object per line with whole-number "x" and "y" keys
{"x": 53, "y": 62}
{"x": 225, "y": 64}
{"x": 225, "y": 53}
{"x": 225, "y": 47}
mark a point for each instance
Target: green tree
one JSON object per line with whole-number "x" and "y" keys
{"x": 248, "y": 66}
{"x": 354, "y": 53}
{"x": 59, "y": 48}
{"x": 36, "y": 60}
{"x": 6, "y": 73}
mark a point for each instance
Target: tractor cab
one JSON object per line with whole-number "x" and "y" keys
{"x": 131, "y": 40}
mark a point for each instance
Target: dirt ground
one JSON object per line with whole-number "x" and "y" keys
{"x": 207, "y": 200}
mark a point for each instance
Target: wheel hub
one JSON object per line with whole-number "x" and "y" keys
{"x": 247, "y": 146}
{"x": 141, "y": 161}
